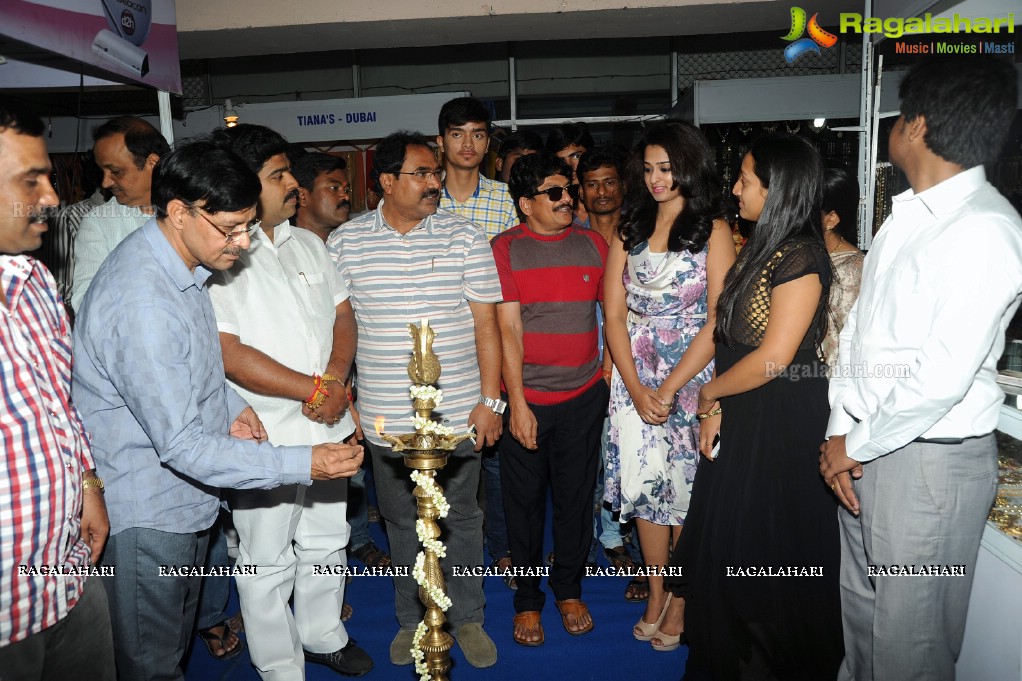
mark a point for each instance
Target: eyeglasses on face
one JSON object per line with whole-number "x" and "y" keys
{"x": 555, "y": 193}
{"x": 423, "y": 175}
{"x": 231, "y": 237}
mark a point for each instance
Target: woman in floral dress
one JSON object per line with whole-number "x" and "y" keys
{"x": 661, "y": 286}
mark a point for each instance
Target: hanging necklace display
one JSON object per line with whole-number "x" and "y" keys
{"x": 792, "y": 126}
{"x": 881, "y": 199}
{"x": 726, "y": 159}
{"x": 770, "y": 127}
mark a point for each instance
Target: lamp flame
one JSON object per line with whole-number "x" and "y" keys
{"x": 378, "y": 424}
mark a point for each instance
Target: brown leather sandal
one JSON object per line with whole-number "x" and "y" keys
{"x": 529, "y": 620}
{"x": 575, "y": 608}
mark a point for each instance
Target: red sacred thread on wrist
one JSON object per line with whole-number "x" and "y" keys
{"x": 318, "y": 380}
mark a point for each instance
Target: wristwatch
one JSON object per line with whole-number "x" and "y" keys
{"x": 495, "y": 403}
{"x": 93, "y": 482}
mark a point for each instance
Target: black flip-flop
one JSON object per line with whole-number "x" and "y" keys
{"x": 637, "y": 584}
{"x": 209, "y": 638}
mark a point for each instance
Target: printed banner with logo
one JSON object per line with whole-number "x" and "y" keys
{"x": 134, "y": 39}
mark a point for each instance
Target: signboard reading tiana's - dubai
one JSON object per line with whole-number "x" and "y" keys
{"x": 134, "y": 39}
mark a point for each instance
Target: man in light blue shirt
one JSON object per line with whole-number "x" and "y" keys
{"x": 167, "y": 430}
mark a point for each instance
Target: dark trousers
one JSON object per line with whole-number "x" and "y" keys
{"x": 79, "y": 646}
{"x": 494, "y": 522}
{"x": 153, "y": 616}
{"x": 566, "y": 461}
{"x": 461, "y": 531}
{"x": 215, "y": 591}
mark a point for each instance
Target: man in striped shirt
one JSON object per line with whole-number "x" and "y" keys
{"x": 54, "y": 621}
{"x": 403, "y": 262}
{"x": 551, "y": 275}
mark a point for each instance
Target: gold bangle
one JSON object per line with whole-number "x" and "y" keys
{"x": 327, "y": 377}
{"x": 708, "y": 414}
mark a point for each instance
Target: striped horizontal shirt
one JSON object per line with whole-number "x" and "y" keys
{"x": 557, "y": 280}
{"x": 431, "y": 272}
{"x": 490, "y": 207}
{"x": 45, "y": 452}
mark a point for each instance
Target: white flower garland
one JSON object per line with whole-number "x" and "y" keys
{"x": 430, "y": 544}
{"x": 426, "y": 392}
{"x": 420, "y": 657}
{"x": 426, "y": 425}
{"x": 442, "y": 600}
{"x": 428, "y": 485}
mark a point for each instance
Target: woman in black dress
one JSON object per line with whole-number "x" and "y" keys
{"x": 760, "y": 551}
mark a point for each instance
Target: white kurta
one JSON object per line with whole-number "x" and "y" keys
{"x": 281, "y": 298}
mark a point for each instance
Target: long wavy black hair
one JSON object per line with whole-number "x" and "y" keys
{"x": 695, "y": 176}
{"x": 791, "y": 170}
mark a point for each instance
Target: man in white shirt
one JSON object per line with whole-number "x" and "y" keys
{"x": 126, "y": 150}
{"x": 324, "y": 204}
{"x": 288, "y": 336}
{"x": 914, "y": 400}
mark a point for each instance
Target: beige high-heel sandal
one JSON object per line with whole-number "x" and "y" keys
{"x": 644, "y": 631}
{"x": 667, "y": 643}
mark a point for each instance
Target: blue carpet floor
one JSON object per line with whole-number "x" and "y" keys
{"x": 608, "y": 652}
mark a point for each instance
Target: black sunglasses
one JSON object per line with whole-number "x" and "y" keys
{"x": 555, "y": 193}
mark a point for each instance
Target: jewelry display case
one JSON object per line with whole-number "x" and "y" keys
{"x": 992, "y": 649}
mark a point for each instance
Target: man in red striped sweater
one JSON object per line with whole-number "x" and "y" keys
{"x": 551, "y": 276}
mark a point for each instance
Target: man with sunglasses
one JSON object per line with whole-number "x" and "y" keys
{"x": 551, "y": 275}
{"x": 407, "y": 261}
{"x": 288, "y": 336}
{"x": 167, "y": 430}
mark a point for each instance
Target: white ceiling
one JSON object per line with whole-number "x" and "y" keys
{"x": 211, "y": 29}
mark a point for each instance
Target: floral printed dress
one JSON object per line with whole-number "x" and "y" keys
{"x": 650, "y": 469}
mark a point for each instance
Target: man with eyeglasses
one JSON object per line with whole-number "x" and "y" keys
{"x": 407, "y": 261}
{"x": 288, "y": 336}
{"x": 167, "y": 430}
{"x": 551, "y": 275}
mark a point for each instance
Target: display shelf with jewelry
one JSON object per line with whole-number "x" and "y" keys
{"x": 425, "y": 451}
{"x": 993, "y": 629}
{"x": 1006, "y": 513}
